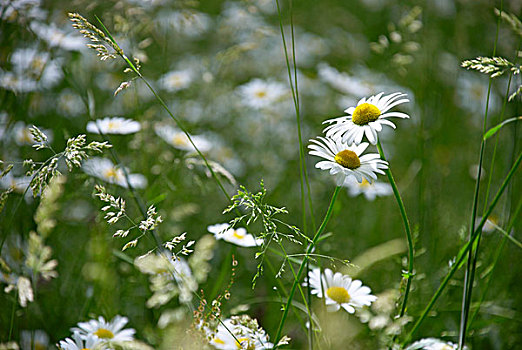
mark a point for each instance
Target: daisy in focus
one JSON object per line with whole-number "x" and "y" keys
{"x": 177, "y": 139}
{"x": 115, "y": 125}
{"x": 339, "y": 290}
{"x": 106, "y": 331}
{"x": 79, "y": 343}
{"x": 344, "y": 161}
{"x": 369, "y": 190}
{"x": 432, "y": 344}
{"x": 237, "y": 236}
{"x": 247, "y": 332}
{"x": 104, "y": 169}
{"x": 260, "y": 94}
{"x": 367, "y": 118}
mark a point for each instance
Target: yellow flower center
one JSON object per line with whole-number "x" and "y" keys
{"x": 244, "y": 342}
{"x": 237, "y": 235}
{"x": 338, "y": 294}
{"x": 104, "y": 333}
{"x": 348, "y": 159}
{"x": 219, "y": 341}
{"x": 112, "y": 125}
{"x": 26, "y": 136}
{"x": 260, "y": 94}
{"x": 364, "y": 184}
{"x": 111, "y": 173}
{"x": 365, "y": 113}
{"x": 179, "y": 140}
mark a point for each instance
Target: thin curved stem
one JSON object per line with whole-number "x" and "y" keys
{"x": 409, "y": 237}
{"x": 303, "y": 264}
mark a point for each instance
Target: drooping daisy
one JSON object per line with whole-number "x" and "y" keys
{"x": 115, "y": 125}
{"x": 259, "y": 93}
{"x": 179, "y": 140}
{"x": 79, "y": 343}
{"x": 176, "y": 80}
{"x": 339, "y": 290}
{"x": 370, "y": 190}
{"x": 432, "y": 344}
{"x": 366, "y": 119}
{"x": 240, "y": 332}
{"x": 343, "y": 160}
{"x": 104, "y": 169}
{"x": 237, "y": 236}
{"x": 106, "y": 331}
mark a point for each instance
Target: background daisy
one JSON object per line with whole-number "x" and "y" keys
{"x": 237, "y": 236}
{"x": 369, "y": 190}
{"x": 114, "y": 125}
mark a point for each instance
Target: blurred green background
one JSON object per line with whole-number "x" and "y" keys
{"x": 345, "y": 50}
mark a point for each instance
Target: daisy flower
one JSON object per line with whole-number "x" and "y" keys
{"x": 432, "y": 344}
{"x": 57, "y": 37}
{"x": 104, "y": 169}
{"x": 115, "y": 125}
{"x": 259, "y": 93}
{"x": 179, "y": 140}
{"x": 339, "y": 290}
{"x": 237, "y": 236}
{"x": 176, "y": 80}
{"x": 79, "y": 343}
{"x": 344, "y": 161}
{"x": 106, "y": 331}
{"x": 370, "y": 190}
{"x": 366, "y": 119}
{"x": 240, "y": 332}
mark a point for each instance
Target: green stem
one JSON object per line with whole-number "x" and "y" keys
{"x": 406, "y": 228}
{"x": 464, "y": 250}
{"x": 303, "y": 264}
{"x": 180, "y": 125}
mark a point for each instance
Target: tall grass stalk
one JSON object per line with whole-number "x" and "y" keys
{"x": 464, "y": 250}
{"x": 490, "y": 178}
{"x": 406, "y": 223}
{"x": 303, "y": 175}
{"x": 471, "y": 265}
{"x": 162, "y": 103}
{"x": 309, "y": 250}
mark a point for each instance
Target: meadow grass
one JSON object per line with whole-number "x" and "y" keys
{"x": 191, "y": 222}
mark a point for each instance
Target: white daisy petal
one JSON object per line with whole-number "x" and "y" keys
{"x": 339, "y": 290}
{"x": 366, "y": 119}
{"x": 344, "y": 161}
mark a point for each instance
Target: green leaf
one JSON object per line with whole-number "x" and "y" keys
{"x": 494, "y": 129}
